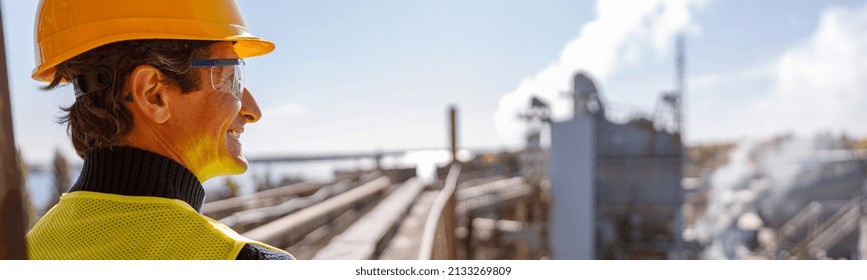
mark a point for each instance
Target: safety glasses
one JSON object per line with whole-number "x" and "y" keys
{"x": 227, "y": 75}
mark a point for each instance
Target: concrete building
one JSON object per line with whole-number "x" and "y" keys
{"x": 615, "y": 187}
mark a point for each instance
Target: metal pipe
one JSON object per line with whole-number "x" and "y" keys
{"x": 287, "y": 230}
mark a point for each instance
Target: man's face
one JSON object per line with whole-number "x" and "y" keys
{"x": 210, "y": 121}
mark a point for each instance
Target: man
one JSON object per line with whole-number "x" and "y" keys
{"x": 160, "y": 106}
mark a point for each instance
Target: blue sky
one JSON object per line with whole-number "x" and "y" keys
{"x": 359, "y": 76}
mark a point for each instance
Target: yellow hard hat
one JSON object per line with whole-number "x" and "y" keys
{"x": 67, "y": 28}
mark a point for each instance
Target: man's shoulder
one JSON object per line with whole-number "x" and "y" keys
{"x": 255, "y": 252}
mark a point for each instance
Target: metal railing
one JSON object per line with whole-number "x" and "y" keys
{"x": 439, "y": 228}
{"x": 831, "y": 231}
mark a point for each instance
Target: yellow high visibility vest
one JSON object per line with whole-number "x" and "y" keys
{"x": 92, "y": 225}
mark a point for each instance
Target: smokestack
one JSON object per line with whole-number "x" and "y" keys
{"x": 681, "y": 77}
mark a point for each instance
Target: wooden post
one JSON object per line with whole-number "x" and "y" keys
{"x": 454, "y": 134}
{"x": 451, "y": 221}
{"x": 12, "y": 246}
{"x": 450, "y": 218}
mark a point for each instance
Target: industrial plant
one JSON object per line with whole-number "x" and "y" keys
{"x": 591, "y": 186}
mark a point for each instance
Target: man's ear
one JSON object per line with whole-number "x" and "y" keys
{"x": 148, "y": 93}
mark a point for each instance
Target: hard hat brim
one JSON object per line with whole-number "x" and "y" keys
{"x": 77, "y": 41}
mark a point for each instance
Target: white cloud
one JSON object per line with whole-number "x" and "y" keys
{"x": 820, "y": 84}
{"x": 616, "y": 36}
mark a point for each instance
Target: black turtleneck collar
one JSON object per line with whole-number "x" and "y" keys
{"x": 132, "y": 171}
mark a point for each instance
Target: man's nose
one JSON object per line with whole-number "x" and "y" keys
{"x": 249, "y": 108}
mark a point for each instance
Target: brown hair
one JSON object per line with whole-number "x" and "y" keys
{"x": 98, "y": 119}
